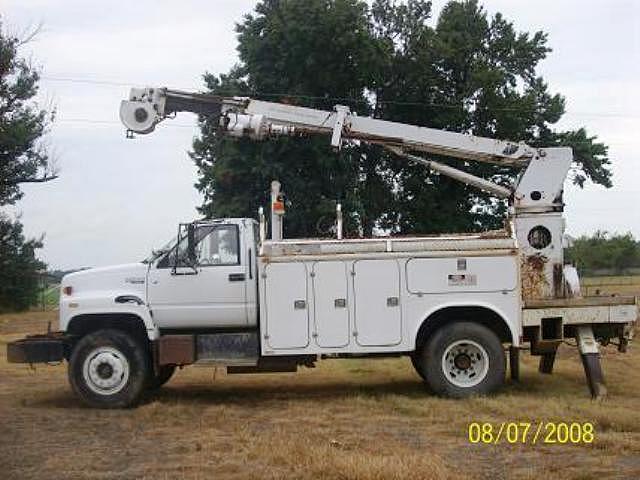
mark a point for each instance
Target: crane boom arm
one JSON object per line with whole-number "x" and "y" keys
{"x": 538, "y": 187}
{"x": 148, "y": 107}
{"x": 342, "y": 124}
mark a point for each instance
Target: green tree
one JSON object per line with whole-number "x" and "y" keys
{"x": 313, "y": 51}
{"x": 471, "y": 74}
{"x": 467, "y": 73}
{"x": 23, "y": 159}
{"x": 602, "y": 250}
{"x": 19, "y": 267}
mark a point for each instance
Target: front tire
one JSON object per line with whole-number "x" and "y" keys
{"x": 463, "y": 359}
{"x": 108, "y": 369}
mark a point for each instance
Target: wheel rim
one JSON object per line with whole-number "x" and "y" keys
{"x": 465, "y": 363}
{"x": 106, "y": 371}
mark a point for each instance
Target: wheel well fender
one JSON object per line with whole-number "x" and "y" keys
{"x": 86, "y": 323}
{"x": 478, "y": 314}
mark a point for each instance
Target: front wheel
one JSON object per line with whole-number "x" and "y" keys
{"x": 463, "y": 359}
{"x": 108, "y": 369}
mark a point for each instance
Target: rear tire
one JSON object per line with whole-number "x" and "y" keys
{"x": 165, "y": 372}
{"x": 463, "y": 359}
{"x": 416, "y": 361}
{"x": 108, "y": 369}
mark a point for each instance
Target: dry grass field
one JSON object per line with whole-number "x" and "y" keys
{"x": 355, "y": 419}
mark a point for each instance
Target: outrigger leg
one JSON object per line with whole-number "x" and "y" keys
{"x": 590, "y": 354}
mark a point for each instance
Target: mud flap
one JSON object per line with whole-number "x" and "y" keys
{"x": 590, "y": 354}
{"x": 547, "y": 360}
{"x": 514, "y": 363}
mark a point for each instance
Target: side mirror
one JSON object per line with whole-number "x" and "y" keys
{"x": 191, "y": 244}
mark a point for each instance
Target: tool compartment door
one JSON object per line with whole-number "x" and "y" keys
{"x": 287, "y": 308}
{"x": 331, "y": 305}
{"x": 461, "y": 274}
{"x": 378, "y": 318}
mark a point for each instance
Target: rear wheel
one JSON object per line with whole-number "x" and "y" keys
{"x": 108, "y": 369}
{"x": 463, "y": 359}
{"x": 416, "y": 361}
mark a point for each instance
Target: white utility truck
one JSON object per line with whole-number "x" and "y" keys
{"x": 221, "y": 293}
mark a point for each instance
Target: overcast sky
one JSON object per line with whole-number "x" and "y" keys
{"x": 116, "y": 198}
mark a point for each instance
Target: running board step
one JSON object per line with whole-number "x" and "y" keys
{"x": 285, "y": 363}
{"x": 265, "y": 367}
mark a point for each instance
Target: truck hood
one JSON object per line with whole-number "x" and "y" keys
{"x": 130, "y": 277}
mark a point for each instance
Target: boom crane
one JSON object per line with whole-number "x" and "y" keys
{"x": 535, "y": 197}
{"x": 538, "y": 189}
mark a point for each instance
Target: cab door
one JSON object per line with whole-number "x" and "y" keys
{"x": 209, "y": 293}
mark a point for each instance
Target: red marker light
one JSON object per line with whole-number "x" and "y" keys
{"x": 67, "y": 290}
{"x": 278, "y": 207}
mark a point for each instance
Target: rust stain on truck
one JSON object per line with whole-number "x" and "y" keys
{"x": 534, "y": 281}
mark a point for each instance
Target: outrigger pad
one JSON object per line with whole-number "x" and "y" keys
{"x": 595, "y": 377}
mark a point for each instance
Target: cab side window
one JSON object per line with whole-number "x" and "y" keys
{"x": 219, "y": 247}
{"x": 215, "y": 245}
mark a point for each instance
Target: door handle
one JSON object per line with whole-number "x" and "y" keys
{"x": 236, "y": 277}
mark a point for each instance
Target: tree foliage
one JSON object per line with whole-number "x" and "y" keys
{"x": 19, "y": 268}
{"x": 291, "y": 47}
{"x": 466, "y": 72}
{"x": 604, "y": 251}
{"x": 23, "y": 159}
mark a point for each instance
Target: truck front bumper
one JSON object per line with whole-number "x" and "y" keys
{"x": 52, "y": 347}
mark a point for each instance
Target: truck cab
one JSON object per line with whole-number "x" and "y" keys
{"x": 212, "y": 286}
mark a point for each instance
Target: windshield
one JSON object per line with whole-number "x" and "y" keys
{"x": 155, "y": 253}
